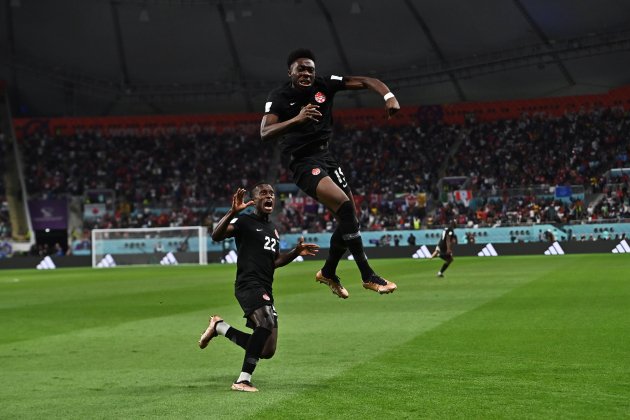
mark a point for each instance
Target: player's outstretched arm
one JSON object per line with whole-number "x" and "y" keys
{"x": 224, "y": 229}
{"x": 361, "y": 82}
{"x": 301, "y": 248}
{"x": 271, "y": 127}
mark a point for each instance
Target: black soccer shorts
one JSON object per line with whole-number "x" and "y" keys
{"x": 443, "y": 254}
{"x": 309, "y": 170}
{"x": 252, "y": 299}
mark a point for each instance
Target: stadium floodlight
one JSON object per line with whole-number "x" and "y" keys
{"x": 149, "y": 246}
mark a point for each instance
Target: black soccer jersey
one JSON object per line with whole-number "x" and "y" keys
{"x": 286, "y": 102}
{"x": 447, "y": 235}
{"x": 258, "y": 246}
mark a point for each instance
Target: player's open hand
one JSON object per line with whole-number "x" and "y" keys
{"x": 309, "y": 113}
{"x": 305, "y": 249}
{"x": 237, "y": 201}
{"x": 392, "y": 106}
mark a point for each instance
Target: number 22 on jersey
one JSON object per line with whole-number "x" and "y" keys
{"x": 270, "y": 244}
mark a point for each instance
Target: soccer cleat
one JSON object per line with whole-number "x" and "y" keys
{"x": 244, "y": 386}
{"x": 379, "y": 284}
{"x": 210, "y": 332}
{"x": 334, "y": 284}
{"x": 439, "y": 274}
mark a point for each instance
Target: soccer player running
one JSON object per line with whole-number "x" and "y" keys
{"x": 444, "y": 248}
{"x": 299, "y": 114}
{"x": 257, "y": 244}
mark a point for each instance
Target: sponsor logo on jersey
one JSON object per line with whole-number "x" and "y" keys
{"x": 268, "y": 106}
{"x": 316, "y": 171}
{"x": 334, "y": 77}
{"x": 266, "y": 297}
{"x": 320, "y": 97}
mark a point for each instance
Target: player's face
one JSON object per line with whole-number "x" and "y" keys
{"x": 265, "y": 198}
{"x": 302, "y": 73}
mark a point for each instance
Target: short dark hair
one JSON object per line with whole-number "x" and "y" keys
{"x": 258, "y": 184}
{"x": 300, "y": 53}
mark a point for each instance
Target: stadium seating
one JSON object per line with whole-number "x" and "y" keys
{"x": 158, "y": 181}
{"x": 177, "y": 180}
{"x": 5, "y": 225}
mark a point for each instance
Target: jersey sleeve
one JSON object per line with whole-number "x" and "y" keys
{"x": 274, "y": 103}
{"x": 236, "y": 223}
{"x": 335, "y": 83}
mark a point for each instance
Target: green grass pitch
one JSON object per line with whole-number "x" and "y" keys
{"x": 506, "y": 337}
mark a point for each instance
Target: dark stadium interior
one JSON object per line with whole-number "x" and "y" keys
{"x": 522, "y": 66}
{"x": 129, "y": 57}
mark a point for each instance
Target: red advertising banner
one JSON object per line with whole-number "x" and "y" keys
{"x": 490, "y": 111}
{"x": 156, "y": 125}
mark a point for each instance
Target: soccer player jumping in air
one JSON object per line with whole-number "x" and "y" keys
{"x": 299, "y": 114}
{"x": 257, "y": 244}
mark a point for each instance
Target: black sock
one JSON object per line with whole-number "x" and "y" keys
{"x": 337, "y": 249}
{"x": 444, "y": 267}
{"x": 254, "y": 348}
{"x": 237, "y": 337}
{"x": 349, "y": 227}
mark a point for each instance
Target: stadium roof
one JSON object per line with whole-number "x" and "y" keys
{"x": 120, "y": 57}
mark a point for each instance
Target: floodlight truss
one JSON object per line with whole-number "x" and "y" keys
{"x": 414, "y": 75}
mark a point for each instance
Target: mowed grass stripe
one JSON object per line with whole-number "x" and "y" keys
{"x": 150, "y": 366}
{"x": 551, "y": 348}
{"x": 105, "y": 358}
{"x": 61, "y": 301}
{"x": 424, "y": 302}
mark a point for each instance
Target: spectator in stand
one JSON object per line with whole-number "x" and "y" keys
{"x": 184, "y": 174}
{"x": 176, "y": 180}
{"x": 5, "y": 223}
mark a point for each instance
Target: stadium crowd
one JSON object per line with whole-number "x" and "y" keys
{"x": 166, "y": 180}
{"x": 495, "y": 158}
{"x": 175, "y": 180}
{"x": 575, "y": 149}
{"x": 5, "y": 225}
